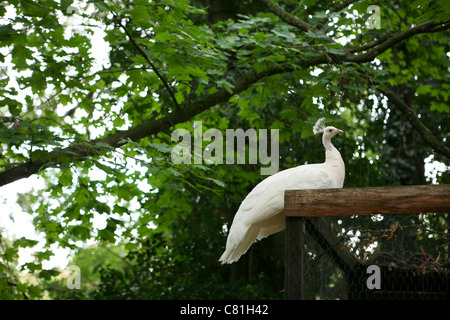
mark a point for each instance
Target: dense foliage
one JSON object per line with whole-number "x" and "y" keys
{"x": 92, "y": 91}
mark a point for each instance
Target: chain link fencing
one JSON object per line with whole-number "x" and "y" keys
{"x": 389, "y": 257}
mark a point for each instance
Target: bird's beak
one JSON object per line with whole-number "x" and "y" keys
{"x": 339, "y": 131}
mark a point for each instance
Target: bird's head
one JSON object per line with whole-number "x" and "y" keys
{"x": 329, "y": 132}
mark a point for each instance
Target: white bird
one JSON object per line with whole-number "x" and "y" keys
{"x": 261, "y": 212}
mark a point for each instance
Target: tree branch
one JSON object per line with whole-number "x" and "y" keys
{"x": 379, "y": 46}
{"x": 146, "y": 57}
{"x": 412, "y": 117}
{"x": 369, "y": 45}
{"x": 146, "y": 128}
{"x": 286, "y": 16}
{"x": 188, "y": 110}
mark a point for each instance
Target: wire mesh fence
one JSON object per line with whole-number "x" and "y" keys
{"x": 399, "y": 256}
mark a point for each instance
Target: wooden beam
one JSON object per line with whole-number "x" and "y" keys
{"x": 367, "y": 200}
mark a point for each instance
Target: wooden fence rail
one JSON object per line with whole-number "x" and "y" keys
{"x": 369, "y": 200}
{"x": 305, "y": 209}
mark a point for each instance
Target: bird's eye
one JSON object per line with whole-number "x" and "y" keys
{"x": 330, "y": 130}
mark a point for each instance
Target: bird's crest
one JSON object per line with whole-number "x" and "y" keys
{"x": 319, "y": 126}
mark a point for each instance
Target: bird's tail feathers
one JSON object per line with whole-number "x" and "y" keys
{"x": 239, "y": 240}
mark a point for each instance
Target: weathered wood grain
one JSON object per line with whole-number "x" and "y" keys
{"x": 367, "y": 200}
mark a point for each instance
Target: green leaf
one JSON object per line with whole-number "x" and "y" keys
{"x": 316, "y": 34}
{"x": 81, "y": 231}
{"x": 161, "y": 147}
{"x": 105, "y": 168}
{"x": 339, "y": 51}
{"x": 48, "y": 274}
{"x": 107, "y": 235}
{"x": 218, "y": 182}
{"x": 34, "y": 291}
{"x": 283, "y": 31}
{"x": 66, "y": 177}
{"x": 25, "y": 243}
{"x": 226, "y": 85}
{"x": 105, "y": 146}
{"x": 32, "y": 267}
{"x": 10, "y": 254}
{"x": 439, "y": 106}
{"x": 43, "y": 255}
{"x": 20, "y": 54}
{"x": 41, "y": 155}
{"x": 424, "y": 89}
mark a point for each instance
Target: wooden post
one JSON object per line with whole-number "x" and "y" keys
{"x": 295, "y": 258}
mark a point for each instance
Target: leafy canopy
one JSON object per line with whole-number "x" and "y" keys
{"x": 91, "y": 92}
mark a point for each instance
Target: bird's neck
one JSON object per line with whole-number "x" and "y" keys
{"x": 331, "y": 153}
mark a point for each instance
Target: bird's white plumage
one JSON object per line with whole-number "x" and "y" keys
{"x": 260, "y": 214}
